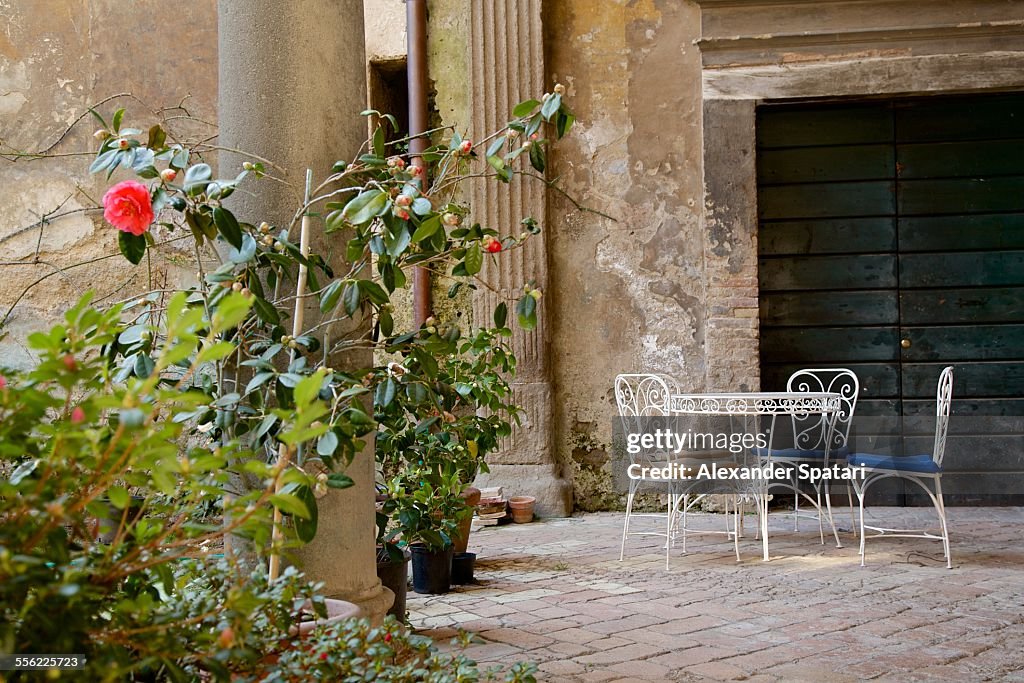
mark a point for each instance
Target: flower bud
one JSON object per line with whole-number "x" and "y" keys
{"x": 403, "y": 200}
{"x": 401, "y": 213}
{"x": 451, "y": 219}
{"x": 511, "y": 133}
{"x": 559, "y": 88}
{"x": 101, "y": 134}
{"x": 122, "y": 144}
{"x": 168, "y": 175}
{"x": 523, "y": 236}
{"x": 430, "y": 321}
{"x": 536, "y": 294}
{"x": 77, "y": 415}
{"x": 264, "y": 227}
{"x": 416, "y": 171}
{"x": 236, "y": 286}
{"x": 70, "y": 363}
{"x": 246, "y": 292}
{"x": 247, "y": 165}
{"x": 492, "y": 246}
{"x": 267, "y": 240}
{"x": 279, "y": 246}
{"x": 466, "y": 146}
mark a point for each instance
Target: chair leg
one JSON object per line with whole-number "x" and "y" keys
{"x": 668, "y": 527}
{"x": 941, "y": 509}
{"x": 860, "y": 502}
{"x": 737, "y": 521}
{"x": 831, "y": 520}
{"x": 625, "y": 526}
{"x": 796, "y": 503}
{"x": 849, "y": 501}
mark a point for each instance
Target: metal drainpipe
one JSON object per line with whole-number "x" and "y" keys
{"x": 416, "y": 69}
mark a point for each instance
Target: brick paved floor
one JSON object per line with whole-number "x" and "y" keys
{"x": 554, "y": 592}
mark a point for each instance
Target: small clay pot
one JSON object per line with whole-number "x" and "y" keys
{"x": 337, "y": 610}
{"x": 461, "y": 538}
{"x": 522, "y": 508}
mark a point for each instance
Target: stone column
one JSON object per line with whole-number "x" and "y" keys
{"x": 507, "y": 66}
{"x": 292, "y": 83}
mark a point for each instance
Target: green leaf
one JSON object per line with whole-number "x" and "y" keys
{"x": 215, "y": 352}
{"x": 329, "y": 297}
{"x": 133, "y": 247}
{"x": 308, "y": 389}
{"x": 290, "y": 505}
{"x": 551, "y": 105}
{"x": 327, "y": 444}
{"x": 396, "y": 241}
{"x": 196, "y": 177}
{"x": 426, "y": 229}
{"x": 378, "y": 141}
{"x": 337, "y": 480}
{"x": 365, "y": 207}
{"x": 474, "y": 259}
{"x": 537, "y": 156}
{"x": 563, "y": 122}
{"x": 374, "y": 292}
{"x": 265, "y": 311}
{"x": 501, "y": 314}
{"x": 495, "y": 146}
{"x": 524, "y": 108}
{"x": 350, "y": 297}
{"x": 227, "y": 224}
{"x": 231, "y": 310}
{"x": 157, "y": 137}
{"x": 103, "y": 160}
{"x": 526, "y": 311}
{"x": 305, "y": 529}
{"x": 118, "y": 497}
{"x": 116, "y": 121}
{"x": 385, "y": 393}
{"x": 421, "y": 206}
{"x": 258, "y": 380}
{"x": 244, "y": 253}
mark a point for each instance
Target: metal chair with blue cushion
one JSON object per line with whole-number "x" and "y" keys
{"x": 920, "y": 469}
{"x": 812, "y": 432}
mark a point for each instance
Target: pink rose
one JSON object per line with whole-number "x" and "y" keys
{"x": 128, "y": 208}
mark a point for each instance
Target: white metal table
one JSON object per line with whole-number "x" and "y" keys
{"x": 758, "y": 405}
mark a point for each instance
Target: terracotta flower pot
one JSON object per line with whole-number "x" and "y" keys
{"x": 337, "y": 610}
{"x": 522, "y": 508}
{"x": 461, "y": 540}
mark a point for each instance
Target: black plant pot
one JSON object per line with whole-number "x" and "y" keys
{"x": 462, "y": 568}
{"x": 395, "y": 575}
{"x": 431, "y": 569}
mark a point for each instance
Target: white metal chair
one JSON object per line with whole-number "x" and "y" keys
{"x": 810, "y": 433}
{"x": 641, "y": 399}
{"x": 919, "y": 469}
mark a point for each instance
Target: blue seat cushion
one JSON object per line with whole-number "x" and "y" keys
{"x": 802, "y": 454}
{"x": 906, "y": 463}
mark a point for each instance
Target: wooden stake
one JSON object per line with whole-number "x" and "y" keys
{"x": 285, "y": 453}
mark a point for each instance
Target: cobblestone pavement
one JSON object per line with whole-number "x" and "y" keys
{"x": 554, "y": 592}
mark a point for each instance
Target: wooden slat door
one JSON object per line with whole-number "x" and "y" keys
{"x": 902, "y": 221}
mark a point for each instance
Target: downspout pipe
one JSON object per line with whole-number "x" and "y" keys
{"x": 416, "y": 69}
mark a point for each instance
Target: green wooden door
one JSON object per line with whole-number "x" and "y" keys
{"x": 891, "y": 241}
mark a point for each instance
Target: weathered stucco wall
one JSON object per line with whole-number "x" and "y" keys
{"x": 58, "y": 57}
{"x": 627, "y": 295}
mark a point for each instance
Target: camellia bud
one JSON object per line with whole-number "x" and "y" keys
{"x": 527, "y": 145}
{"x": 264, "y": 227}
{"x": 403, "y": 200}
{"x": 401, "y": 213}
{"x": 493, "y": 246}
{"x": 101, "y": 134}
{"x": 236, "y": 286}
{"x": 523, "y": 235}
{"x": 247, "y": 165}
{"x": 466, "y": 147}
{"x": 77, "y": 415}
{"x": 279, "y": 246}
{"x": 267, "y": 240}
{"x": 430, "y": 321}
{"x": 536, "y": 294}
{"x": 246, "y": 292}
{"x": 535, "y": 137}
{"x": 416, "y": 171}
{"x": 559, "y": 88}
{"x": 396, "y": 162}
{"x": 511, "y": 133}
{"x": 451, "y": 219}
{"x": 168, "y": 175}
{"x": 122, "y": 144}
{"x": 70, "y": 363}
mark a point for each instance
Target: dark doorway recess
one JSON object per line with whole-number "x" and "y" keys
{"x": 891, "y": 241}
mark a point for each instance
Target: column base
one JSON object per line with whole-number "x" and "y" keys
{"x": 373, "y": 603}
{"x": 543, "y": 482}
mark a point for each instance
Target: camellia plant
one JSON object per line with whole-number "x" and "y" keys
{"x": 121, "y": 451}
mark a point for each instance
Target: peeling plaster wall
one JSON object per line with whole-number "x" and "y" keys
{"x": 627, "y": 295}
{"x": 57, "y": 57}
